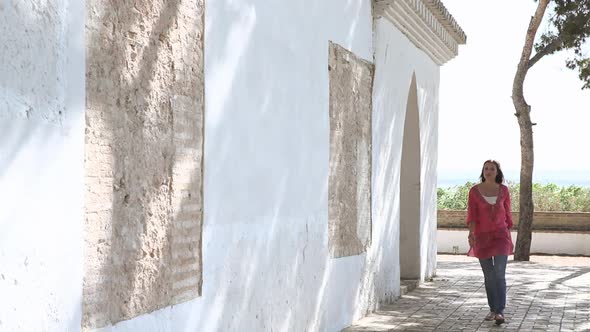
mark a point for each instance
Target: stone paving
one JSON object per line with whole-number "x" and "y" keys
{"x": 542, "y": 296}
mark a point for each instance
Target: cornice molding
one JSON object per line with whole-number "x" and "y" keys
{"x": 426, "y": 23}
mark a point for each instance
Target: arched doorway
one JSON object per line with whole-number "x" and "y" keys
{"x": 409, "y": 250}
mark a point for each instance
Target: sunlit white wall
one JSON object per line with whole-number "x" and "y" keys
{"x": 266, "y": 264}
{"x": 265, "y": 244}
{"x": 41, "y": 164}
{"x": 266, "y": 166}
{"x": 397, "y": 59}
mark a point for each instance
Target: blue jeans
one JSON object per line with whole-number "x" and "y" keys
{"x": 494, "y": 273}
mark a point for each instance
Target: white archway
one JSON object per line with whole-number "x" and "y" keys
{"x": 410, "y": 186}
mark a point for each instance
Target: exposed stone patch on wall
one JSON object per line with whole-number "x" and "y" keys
{"x": 349, "y": 200}
{"x": 144, "y": 138}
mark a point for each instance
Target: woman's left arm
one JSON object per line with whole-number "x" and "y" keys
{"x": 508, "y": 209}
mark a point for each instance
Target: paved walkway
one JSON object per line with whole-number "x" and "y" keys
{"x": 547, "y": 294}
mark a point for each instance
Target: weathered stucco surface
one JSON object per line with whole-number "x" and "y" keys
{"x": 349, "y": 205}
{"x": 41, "y": 164}
{"x": 33, "y": 37}
{"x": 144, "y": 137}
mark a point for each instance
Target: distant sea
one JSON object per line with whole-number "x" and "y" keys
{"x": 560, "y": 178}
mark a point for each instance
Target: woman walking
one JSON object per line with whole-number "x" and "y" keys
{"x": 489, "y": 220}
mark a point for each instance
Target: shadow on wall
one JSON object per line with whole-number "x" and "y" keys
{"x": 382, "y": 264}
{"x": 14, "y": 140}
{"x": 265, "y": 262}
{"x": 269, "y": 206}
{"x": 429, "y": 140}
{"x": 41, "y": 105}
{"x": 33, "y": 78}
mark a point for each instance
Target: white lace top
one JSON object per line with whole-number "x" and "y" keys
{"x": 490, "y": 199}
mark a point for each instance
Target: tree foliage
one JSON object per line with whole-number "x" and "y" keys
{"x": 569, "y": 29}
{"x": 454, "y": 198}
{"x": 546, "y": 197}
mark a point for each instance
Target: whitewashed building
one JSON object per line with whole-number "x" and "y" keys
{"x": 192, "y": 165}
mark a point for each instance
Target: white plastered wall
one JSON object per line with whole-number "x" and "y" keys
{"x": 41, "y": 164}
{"x": 265, "y": 259}
{"x": 396, "y": 60}
{"x": 266, "y": 264}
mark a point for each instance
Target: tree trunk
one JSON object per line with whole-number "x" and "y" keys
{"x": 523, "y": 110}
{"x": 527, "y": 155}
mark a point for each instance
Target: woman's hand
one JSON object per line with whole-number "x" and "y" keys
{"x": 471, "y": 239}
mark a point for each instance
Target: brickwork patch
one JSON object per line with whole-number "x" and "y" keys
{"x": 144, "y": 138}
{"x": 349, "y": 200}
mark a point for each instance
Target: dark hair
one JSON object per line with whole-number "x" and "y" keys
{"x": 499, "y": 175}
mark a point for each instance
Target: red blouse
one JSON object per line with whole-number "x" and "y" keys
{"x": 492, "y": 224}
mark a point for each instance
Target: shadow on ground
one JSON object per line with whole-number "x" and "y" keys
{"x": 545, "y": 294}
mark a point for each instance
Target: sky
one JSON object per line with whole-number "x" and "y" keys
{"x": 476, "y": 119}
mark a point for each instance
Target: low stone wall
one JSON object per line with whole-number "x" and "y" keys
{"x": 542, "y": 221}
{"x": 454, "y": 241}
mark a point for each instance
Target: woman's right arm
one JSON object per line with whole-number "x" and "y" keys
{"x": 471, "y": 210}
{"x": 471, "y": 217}
{"x": 471, "y": 236}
